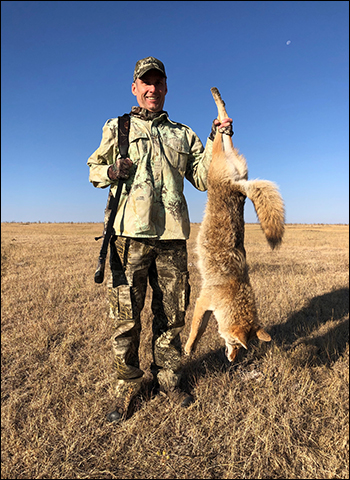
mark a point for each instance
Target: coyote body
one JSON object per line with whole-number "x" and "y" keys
{"x": 226, "y": 289}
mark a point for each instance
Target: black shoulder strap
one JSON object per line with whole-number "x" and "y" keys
{"x": 123, "y": 134}
{"x": 112, "y": 203}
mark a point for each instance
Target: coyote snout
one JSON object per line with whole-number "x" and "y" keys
{"x": 226, "y": 289}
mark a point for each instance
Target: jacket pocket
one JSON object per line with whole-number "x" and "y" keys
{"x": 176, "y": 151}
{"x": 139, "y": 146}
{"x": 138, "y": 210}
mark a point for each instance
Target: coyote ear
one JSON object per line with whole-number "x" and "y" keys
{"x": 262, "y": 335}
{"x": 241, "y": 336}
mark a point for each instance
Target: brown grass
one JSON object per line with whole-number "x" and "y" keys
{"x": 280, "y": 411}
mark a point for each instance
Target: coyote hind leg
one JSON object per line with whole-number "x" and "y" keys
{"x": 199, "y": 323}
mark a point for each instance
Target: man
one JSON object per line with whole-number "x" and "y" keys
{"x": 151, "y": 228}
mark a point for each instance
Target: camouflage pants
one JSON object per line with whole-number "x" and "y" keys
{"x": 164, "y": 264}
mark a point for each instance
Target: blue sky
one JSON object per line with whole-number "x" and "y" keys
{"x": 282, "y": 69}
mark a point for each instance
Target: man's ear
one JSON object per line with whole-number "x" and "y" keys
{"x": 133, "y": 88}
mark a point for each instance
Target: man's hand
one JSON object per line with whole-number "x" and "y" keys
{"x": 224, "y": 127}
{"x": 119, "y": 169}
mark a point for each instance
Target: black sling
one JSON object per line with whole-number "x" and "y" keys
{"x": 113, "y": 202}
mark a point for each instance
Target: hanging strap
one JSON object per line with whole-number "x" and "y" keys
{"x": 123, "y": 134}
{"x": 113, "y": 202}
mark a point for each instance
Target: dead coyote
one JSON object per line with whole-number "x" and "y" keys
{"x": 226, "y": 289}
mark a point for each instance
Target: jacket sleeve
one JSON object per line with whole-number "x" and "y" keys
{"x": 104, "y": 156}
{"x": 198, "y": 162}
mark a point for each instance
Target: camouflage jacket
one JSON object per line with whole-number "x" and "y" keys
{"x": 163, "y": 152}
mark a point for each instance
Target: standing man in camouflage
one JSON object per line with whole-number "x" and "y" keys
{"x": 151, "y": 229}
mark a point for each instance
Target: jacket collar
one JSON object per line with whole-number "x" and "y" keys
{"x": 144, "y": 114}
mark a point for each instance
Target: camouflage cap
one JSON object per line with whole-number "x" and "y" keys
{"x": 145, "y": 64}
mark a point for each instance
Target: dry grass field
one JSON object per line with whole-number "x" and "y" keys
{"x": 280, "y": 411}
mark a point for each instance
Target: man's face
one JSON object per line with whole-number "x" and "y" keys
{"x": 150, "y": 91}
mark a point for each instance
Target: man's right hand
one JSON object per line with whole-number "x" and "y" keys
{"x": 119, "y": 169}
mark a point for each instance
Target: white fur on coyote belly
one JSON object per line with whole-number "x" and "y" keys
{"x": 226, "y": 289}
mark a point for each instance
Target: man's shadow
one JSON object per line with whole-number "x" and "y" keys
{"x": 306, "y": 327}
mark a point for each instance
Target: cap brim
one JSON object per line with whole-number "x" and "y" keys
{"x": 148, "y": 68}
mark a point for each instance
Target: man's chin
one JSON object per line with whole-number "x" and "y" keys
{"x": 154, "y": 108}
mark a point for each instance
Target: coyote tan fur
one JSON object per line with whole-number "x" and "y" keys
{"x": 226, "y": 289}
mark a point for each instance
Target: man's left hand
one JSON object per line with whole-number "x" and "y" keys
{"x": 224, "y": 127}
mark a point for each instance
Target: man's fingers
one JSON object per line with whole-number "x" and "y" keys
{"x": 225, "y": 122}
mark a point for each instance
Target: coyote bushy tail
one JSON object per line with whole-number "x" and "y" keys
{"x": 269, "y": 207}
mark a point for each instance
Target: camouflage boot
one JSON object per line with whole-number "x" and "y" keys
{"x": 126, "y": 391}
{"x": 169, "y": 385}
{"x": 120, "y": 413}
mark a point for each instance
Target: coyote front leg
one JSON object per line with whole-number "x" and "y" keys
{"x": 199, "y": 323}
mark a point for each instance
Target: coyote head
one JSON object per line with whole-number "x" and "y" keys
{"x": 237, "y": 336}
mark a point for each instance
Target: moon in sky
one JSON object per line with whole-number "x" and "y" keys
{"x": 288, "y": 42}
